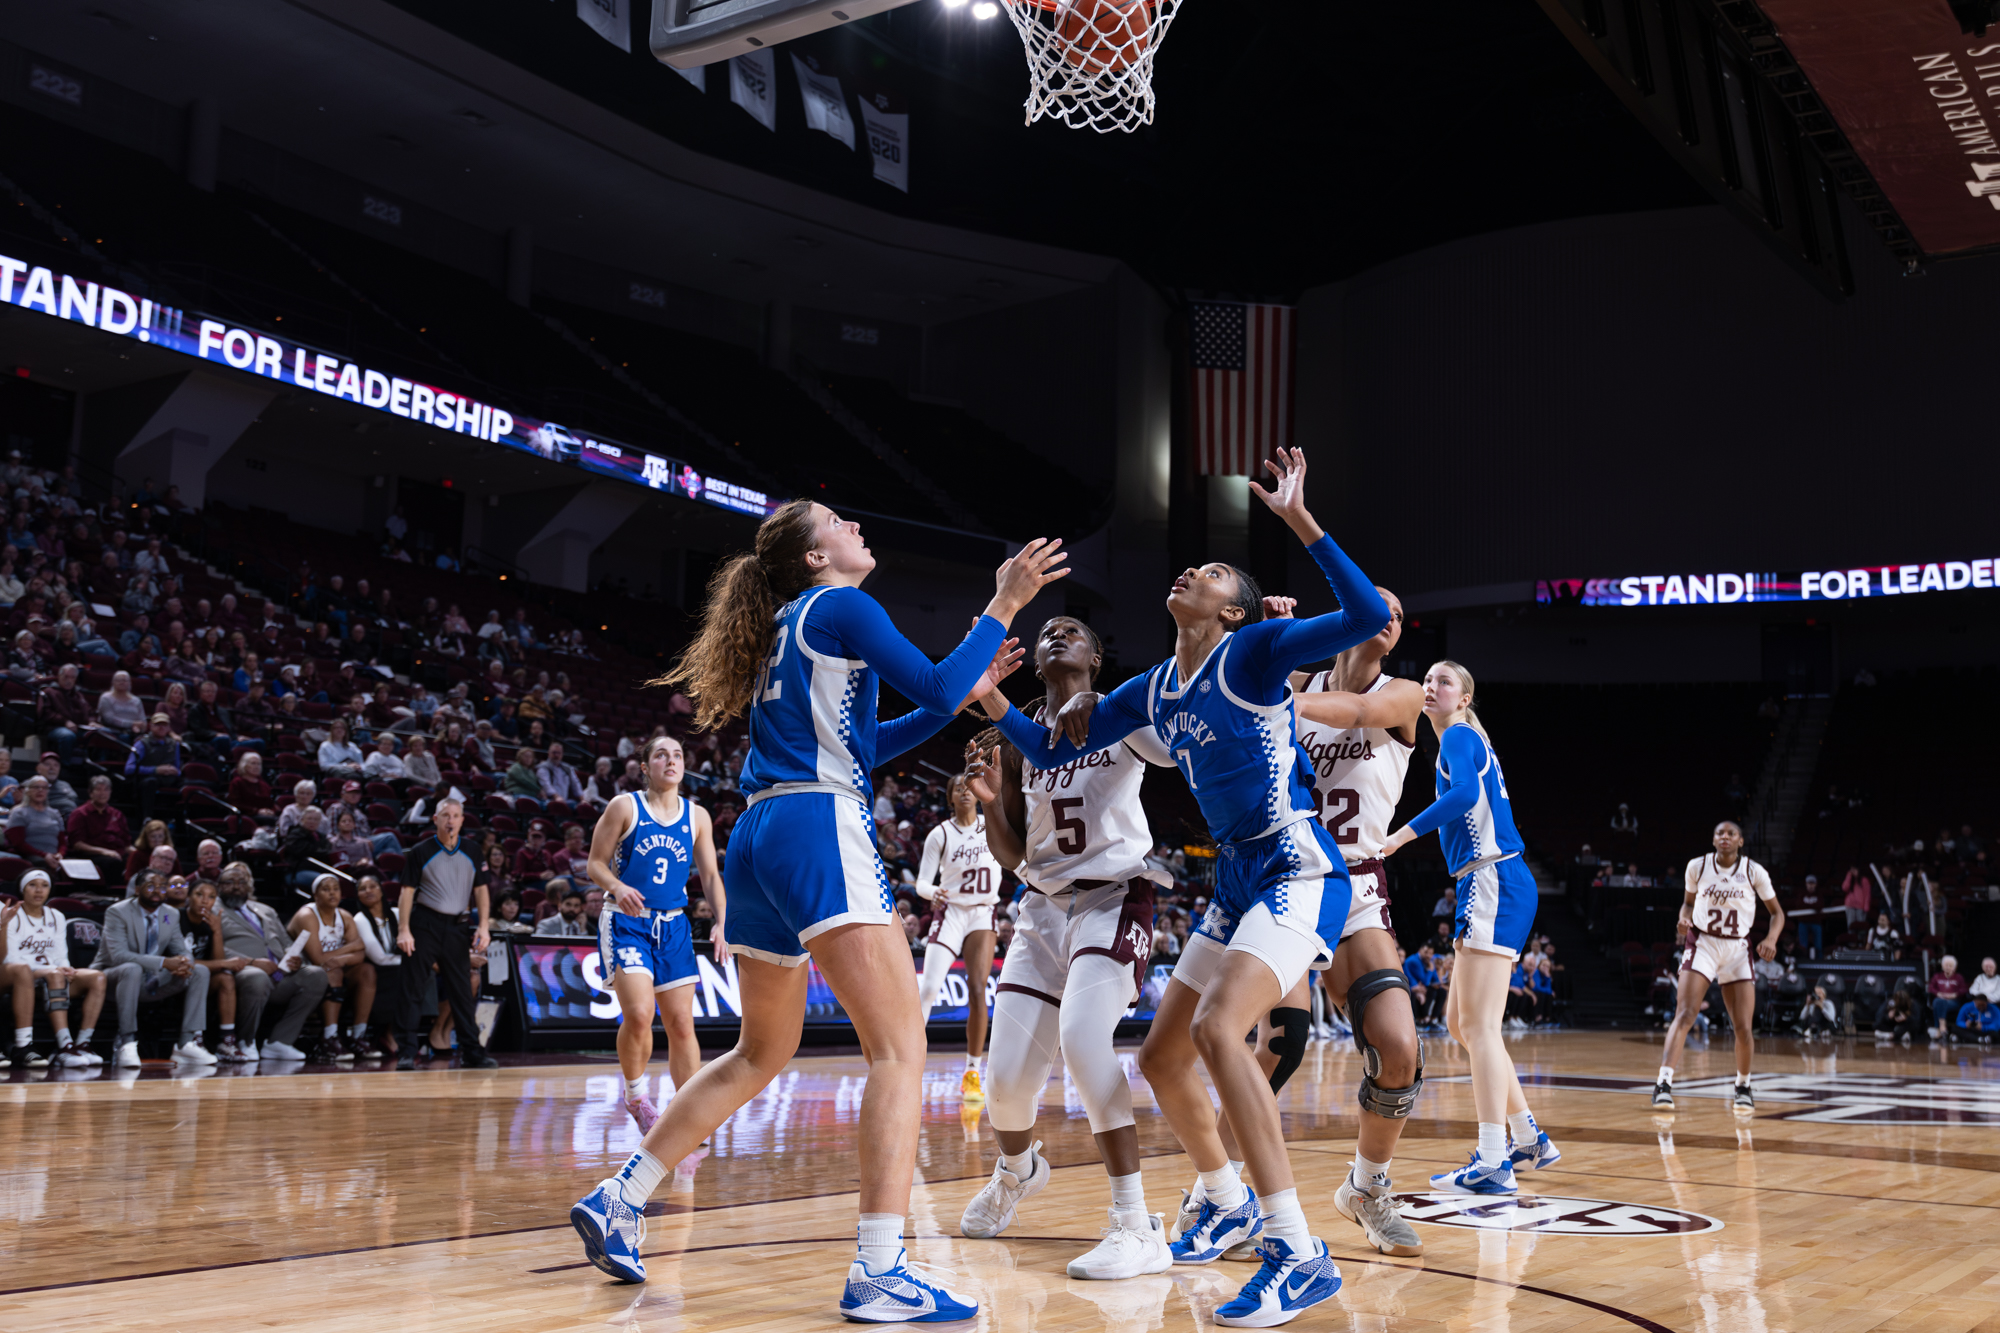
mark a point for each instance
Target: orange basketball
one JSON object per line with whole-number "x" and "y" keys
{"x": 1103, "y": 35}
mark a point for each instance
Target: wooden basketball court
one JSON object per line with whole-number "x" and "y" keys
{"x": 1868, "y": 1197}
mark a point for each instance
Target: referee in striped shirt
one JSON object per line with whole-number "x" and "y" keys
{"x": 444, "y": 915}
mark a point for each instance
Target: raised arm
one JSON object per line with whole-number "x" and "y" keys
{"x": 1116, "y": 716}
{"x": 1393, "y": 707}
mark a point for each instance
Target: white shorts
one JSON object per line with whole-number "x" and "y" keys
{"x": 1719, "y": 958}
{"x": 1368, "y": 903}
{"x": 951, "y": 926}
{"x": 1115, "y": 920}
{"x": 1286, "y": 950}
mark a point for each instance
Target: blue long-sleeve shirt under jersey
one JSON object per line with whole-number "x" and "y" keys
{"x": 1473, "y": 815}
{"x": 1234, "y": 785}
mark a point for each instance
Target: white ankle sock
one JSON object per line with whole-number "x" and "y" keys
{"x": 357, "y": 1031}
{"x": 1492, "y": 1144}
{"x": 639, "y": 1177}
{"x": 1128, "y": 1194}
{"x": 1284, "y": 1219}
{"x": 1020, "y": 1163}
{"x": 635, "y": 1087}
{"x": 23, "y": 1036}
{"x": 83, "y": 1036}
{"x": 972, "y": 1063}
{"x": 330, "y": 1031}
{"x": 228, "y": 1029}
{"x": 1526, "y": 1132}
{"x": 1224, "y": 1187}
{"x": 1742, "y": 1080}
{"x": 1667, "y": 1075}
{"x": 1368, "y": 1173}
{"x": 1236, "y": 1166}
{"x": 879, "y": 1240}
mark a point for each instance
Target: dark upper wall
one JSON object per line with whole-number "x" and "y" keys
{"x": 1649, "y": 391}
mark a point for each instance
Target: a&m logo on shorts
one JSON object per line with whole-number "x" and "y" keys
{"x": 1551, "y": 1215}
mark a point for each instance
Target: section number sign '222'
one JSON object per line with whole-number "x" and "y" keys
{"x": 110, "y": 310}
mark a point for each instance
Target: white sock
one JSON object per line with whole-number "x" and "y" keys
{"x": 1368, "y": 1173}
{"x": 1236, "y": 1166}
{"x": 1128, "y": 1195}
{"x": 1526, "y": 1132}
{"x": 1492, "y": 1144}
{"x": 330, "y": 1031}
{"x": 1224, "y": 1187}
{"x": 880, "y": 1241}
{"x": 972, "y": 1063}
{"x": 1742, "y": 1080}
{"x": 357, "y": 1030}
{"x": 228, "y": 1029}
{"x": 1020, "y": 1163}
{"x": 1667, "y": 1075}
{"x": 83, "y": 1035}
{"x": 23, "y": 1036}
{"x": 639, "y": 1177}
{"x": 1284, "y": 1219}
{"x": 635, "y": 1088}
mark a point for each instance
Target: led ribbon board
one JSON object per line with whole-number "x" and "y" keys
{"x": 109, "y": 310}
{"x": 1819, "y": 585}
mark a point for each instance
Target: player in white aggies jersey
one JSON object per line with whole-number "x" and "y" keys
{"x": 1079, "y": 839}
{"x": 1723, "y": 890}
{"x": 1358, "y": 726}
{"x": 960, "y": 873}
{"x": 34, "y": 942}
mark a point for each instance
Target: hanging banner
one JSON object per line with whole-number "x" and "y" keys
{"x": 753, "y": 85}
{"x": 698, "y": 76}
{"x": 609, "y": 19}
{"x": 255, "y": 352}
{"x": 1813, "y": 585}
{"x": 826, "y": 105}
{"x": 888, "y": 141}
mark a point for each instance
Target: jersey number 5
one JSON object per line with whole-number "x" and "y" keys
{"x": 1339, "y": 809}
{"x": 1071, "y": 834}
{"x": 775, "y": 687}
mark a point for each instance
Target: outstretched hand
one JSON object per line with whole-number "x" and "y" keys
{"x": 1287, "y": 496}
{"x": 1004, "y": 664}
{"x": 1021, "y": 576}
{"x": 982, "y": 772}
{"x": 1279, "y": 608}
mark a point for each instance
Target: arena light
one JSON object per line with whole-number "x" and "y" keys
{"x": 985, "y": 9}
{"x": 955, "y": 4}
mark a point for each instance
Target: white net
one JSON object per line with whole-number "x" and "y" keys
{"x": 1090, "y": 62}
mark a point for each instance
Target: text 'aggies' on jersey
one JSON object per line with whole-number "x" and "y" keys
{"x": 1084, "y": 817}
{"x": 1723, "y": 896}
{"x": 959, "y": 862}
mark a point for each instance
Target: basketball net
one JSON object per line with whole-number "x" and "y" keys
{"x": 1090, "y": 62}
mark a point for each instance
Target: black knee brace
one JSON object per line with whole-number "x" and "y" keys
{"x": 1389, "y": 1103}
{"x": 337, "y": 994}
{"x": 1288, "y": 1043}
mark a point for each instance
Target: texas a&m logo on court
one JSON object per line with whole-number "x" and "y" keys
{"x": 1551, "y": 1215}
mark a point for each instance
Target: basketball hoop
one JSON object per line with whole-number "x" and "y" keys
{"x": 1090, "y": 62}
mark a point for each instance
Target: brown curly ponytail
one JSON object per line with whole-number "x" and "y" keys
{"x": 719, "y": 669}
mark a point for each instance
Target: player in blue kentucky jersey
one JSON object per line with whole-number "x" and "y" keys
{"x": 1222, "y": 705}
{"x": 641, "y": 852}
{"x": 1474, "y": 819}
{"x": 788, "y": 636}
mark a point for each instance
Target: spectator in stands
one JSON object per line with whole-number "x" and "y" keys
{"x": 339, "y": 757}
{"x": 521, "y": 782}
{"x": 634, "y": 779}
{"x": 153, "y": 835}
{"x": 1987, "y": 983}
{"x": 62, "y": 796}
{"x": 507, "y": 918}
{"x": 1523, "y": 1004}
{"x": 531, "y": 862}
{"x": 602, "y": 784}
{"x": 567, "y": 919}
{"x": 271, "y": 975}
{"x": 350, "y": 849}
{"x": 419, "y": 766}
{"x": 1947, "y": 992}
{"x": 145, "y": 956}
{"x": 1625, "y": 821}
{"x": 382, "y": 763}
{"x": 64, "y": 712}
{"x": 305, "y": 843}
{"x": 35, "y": 832}
{"x": 255, "y": 714}
{"x": 24, "y": 662}
{"x": 384, "y": 840}
{"x": 1811, "y": 906}
{"x": 247, "y": 789}
{"x": 118, "y": 709}
{"x": 474, "y": 751}
{"x": 303, "y": 792}
{"x": 1896, "y": 1019}
{"x": 155, "y": 762}
{"x": 572, "y": 858}
{"x": 1858, "y": 893}
{"x": 159, "y": 864}
{"x": 1421, "y": 970}
{"x": 499, "y": 870}
{"x": 249, "y": 671}
{"x": 1817, "y": 1015}
{"x": 557, "y": 779}
{"x": 98, "y": 832}
{"x": 506, "y": 722}
{"x": 34, "y": 948}
{"x": 1978, "y": 1020}
{"x": 1885, "y": 938}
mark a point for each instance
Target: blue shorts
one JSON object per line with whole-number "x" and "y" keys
{"x": 1283, "y": 897}
{"x": 659, "y": 945}
{"x": 1496, "y": 907}
{"x": 799, "y": 864}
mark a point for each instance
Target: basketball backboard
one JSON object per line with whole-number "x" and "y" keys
{"x": 688, "y": 33}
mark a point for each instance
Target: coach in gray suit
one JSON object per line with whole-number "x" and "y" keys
{"x": 252, "y": 931}
{"x": 143, "y": 955}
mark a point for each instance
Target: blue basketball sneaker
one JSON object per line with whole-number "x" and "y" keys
{"x": 1289, "y": 1283}
{"x": 1216, "y": 1231}
{"x": 1540, "y": 1154}
{"x": 1472, "y": 1178}
{"x": 612, "y": 1231}
{"x": 905, "y": 1294}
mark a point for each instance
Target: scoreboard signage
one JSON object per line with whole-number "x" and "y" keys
{"x": 256, "y": 352}
{"x": 1816, "y": 585}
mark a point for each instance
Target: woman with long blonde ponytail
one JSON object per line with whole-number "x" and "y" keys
{"x": 788, "y": 638}
{"x": 1474, "y": 819}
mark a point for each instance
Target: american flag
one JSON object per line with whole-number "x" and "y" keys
{"x": 1242, "y": 385}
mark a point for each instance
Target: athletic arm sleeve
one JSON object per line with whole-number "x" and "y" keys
{"x": 927, "y": 872}
{"x": 907, "y": 732}
{"x": 860, "y": 628}
{"x": 1463, "y": 758}
{"x": 1117, "y": 715}
{"x": 1267, "y": 652}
